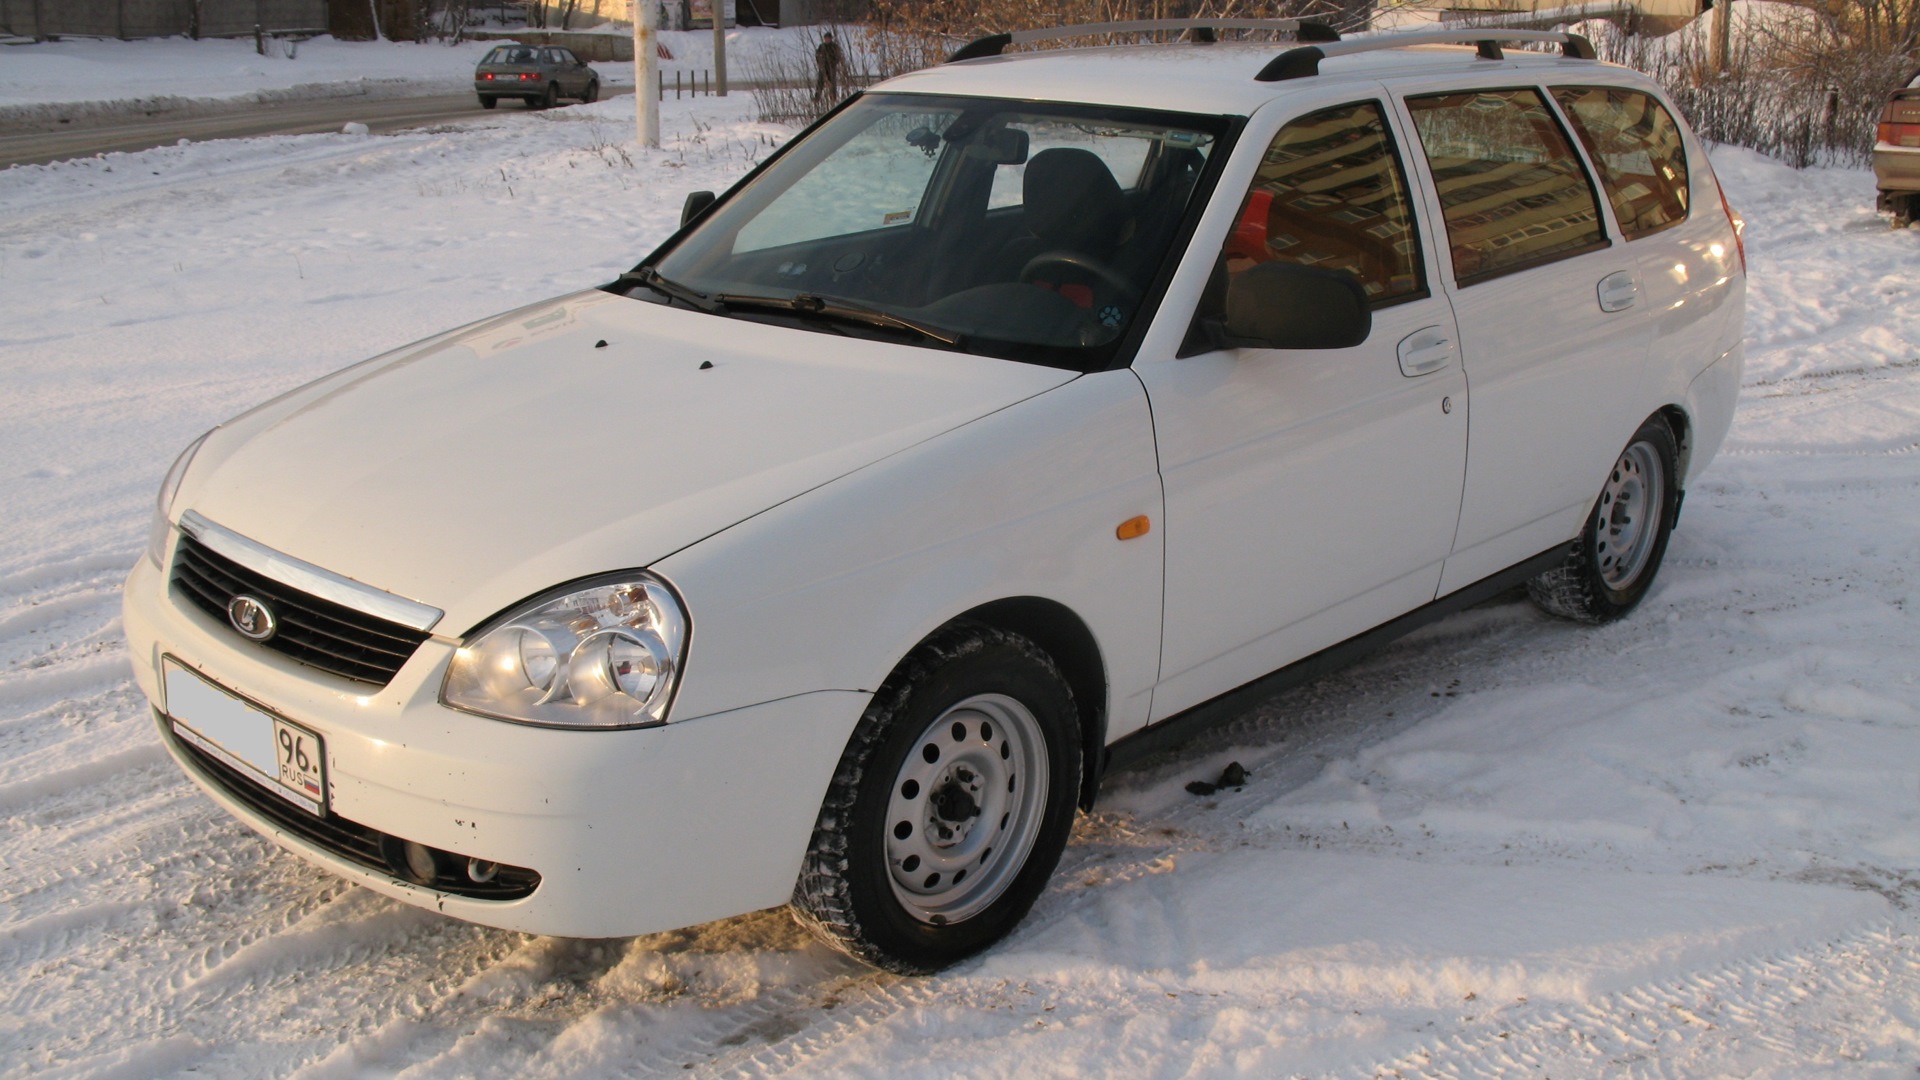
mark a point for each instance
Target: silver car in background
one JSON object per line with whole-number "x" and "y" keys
{"x": 539, "y": 75}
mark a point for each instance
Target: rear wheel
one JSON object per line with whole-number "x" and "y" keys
{"x": 547, "y": 100}
{"x": 487, "y": 102}
{"x": 1613, "y": 563}
{"x": 950, "y": 807}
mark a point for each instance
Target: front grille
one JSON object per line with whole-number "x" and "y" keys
{"x": 350, "y": 840}
{"x": 318, "y": 633}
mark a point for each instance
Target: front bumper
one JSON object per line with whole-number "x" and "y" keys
{"x": 631, "y": 832}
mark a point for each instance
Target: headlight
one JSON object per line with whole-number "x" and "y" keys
{"x": 607, "y": 656}
{"x": 162, "y": 523}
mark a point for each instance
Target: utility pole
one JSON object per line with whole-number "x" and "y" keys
{"x": 646, "y": 70}
{"x": 1722, "y": 35}
{"x": 720, "y": 45}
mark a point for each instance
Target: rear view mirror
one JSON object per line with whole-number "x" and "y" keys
{"x": 1005, "y": 146}
{"x": 696, "y": 204}
{"x": 1280, "y": 305}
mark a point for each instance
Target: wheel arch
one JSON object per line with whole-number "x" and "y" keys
{"x": 1065, "y": 637}
{"x": 1682, "y": 427}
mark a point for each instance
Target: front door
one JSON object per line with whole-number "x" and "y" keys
{"x": 1310, "y": 494}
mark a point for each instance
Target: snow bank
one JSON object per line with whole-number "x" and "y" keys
{"x": 84, "y": 79}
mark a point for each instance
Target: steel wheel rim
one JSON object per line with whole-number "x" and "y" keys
{"x": 1628, "y": 517}
{"x": 965, "y": 808}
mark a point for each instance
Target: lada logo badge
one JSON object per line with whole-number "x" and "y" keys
{"x": 252, "y": 618}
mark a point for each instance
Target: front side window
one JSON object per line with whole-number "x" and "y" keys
{"x": 1636, "y": 145}
{"x": 1028, "y": 230}
{"x": 1513, "y": 192}
{"x": 1331, "y": 193}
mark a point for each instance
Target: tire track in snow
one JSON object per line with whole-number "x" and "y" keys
{"x": 83, "y": 569}
{"x": 49, "y": 685}
{"x": 1686, "y": 1026}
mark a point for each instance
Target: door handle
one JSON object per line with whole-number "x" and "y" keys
{"x": 1424, "y": 351}
{"x": 1618, "y": 291}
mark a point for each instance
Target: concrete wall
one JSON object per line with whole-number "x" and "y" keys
{"x": 157, "y": 18}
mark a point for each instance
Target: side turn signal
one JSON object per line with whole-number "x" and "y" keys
{"x": 1133, "y": 528}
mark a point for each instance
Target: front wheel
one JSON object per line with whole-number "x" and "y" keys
{"x": 951, "y": 805}
{"x": 1613, "y": 563}
{"x": 593, "y": 92}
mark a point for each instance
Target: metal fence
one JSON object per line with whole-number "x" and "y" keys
{"x": 158, "y": 18}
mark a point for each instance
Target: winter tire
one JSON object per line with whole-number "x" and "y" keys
{"x": 488, "y": 102}
{"x": 593, "y": 93}
{"x": 1612, "y": 564}
{"x": 950, "y": 807}
{"x": 549, "y": 99}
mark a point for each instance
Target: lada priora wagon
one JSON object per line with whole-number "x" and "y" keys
{"x": 1020, "y": 416}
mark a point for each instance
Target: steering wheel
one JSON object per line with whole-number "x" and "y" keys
{"x": 1086, "y": 264}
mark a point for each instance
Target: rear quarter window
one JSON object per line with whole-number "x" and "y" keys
{"x": 1636, "y": 145}
{"x": 1512, "y": 190}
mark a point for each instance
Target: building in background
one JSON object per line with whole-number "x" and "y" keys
{"x": 1634, "y": 16}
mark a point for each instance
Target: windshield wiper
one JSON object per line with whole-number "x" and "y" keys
{"x": 670, "y": 289}
{"x": 830, "y": 308}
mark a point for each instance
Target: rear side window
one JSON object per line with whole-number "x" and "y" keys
{"x": 1331, "y": 193}
{"x": 1636, "y": 145}
{"x": 1513, "y": 192}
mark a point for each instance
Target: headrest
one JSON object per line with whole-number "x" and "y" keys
{"x": 1072, "y": 198}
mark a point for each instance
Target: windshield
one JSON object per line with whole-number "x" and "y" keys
{"x": 1027, "y": 230}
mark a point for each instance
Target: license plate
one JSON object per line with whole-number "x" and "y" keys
{"x": 282, "y": 756}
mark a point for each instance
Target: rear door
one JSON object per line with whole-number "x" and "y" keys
{"x": 1310, "y": 494}
{"x": 1668, "y": 211}
{"x": 1551, "y": 315}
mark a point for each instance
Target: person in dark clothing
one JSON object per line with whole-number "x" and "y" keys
{"x": 826, "y": 61}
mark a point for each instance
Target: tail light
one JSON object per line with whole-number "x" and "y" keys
{"x": 1900, "y": 123}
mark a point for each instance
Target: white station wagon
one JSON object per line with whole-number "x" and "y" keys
{"x": 1018, "y": 418}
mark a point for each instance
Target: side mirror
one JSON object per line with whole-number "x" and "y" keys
{"x": 696, "y": 204}
{"x": 1281, "y": 305}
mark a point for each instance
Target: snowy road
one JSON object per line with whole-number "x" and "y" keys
{"x": 1682, "y": 845}
{"x": 52, "y": 142}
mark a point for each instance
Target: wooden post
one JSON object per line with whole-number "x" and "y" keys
{"x": 720, "y": 44}
{"x": 646, "y": 70}
{"x": 1722, "y": 35}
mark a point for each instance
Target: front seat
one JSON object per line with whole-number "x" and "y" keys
{"x": 1073, "y": 207}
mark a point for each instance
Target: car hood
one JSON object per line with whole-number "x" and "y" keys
{"x": 588, "y": 434}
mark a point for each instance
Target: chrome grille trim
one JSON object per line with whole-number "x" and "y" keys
{"x": 312, "y": 630}
{"x": 309, "y": 578}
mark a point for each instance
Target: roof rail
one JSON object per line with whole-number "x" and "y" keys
{"x": 1199, "y": 30}
{"x": 1305, "y": 60}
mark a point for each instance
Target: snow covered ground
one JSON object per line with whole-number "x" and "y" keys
{"x": 1687, "y": 844}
